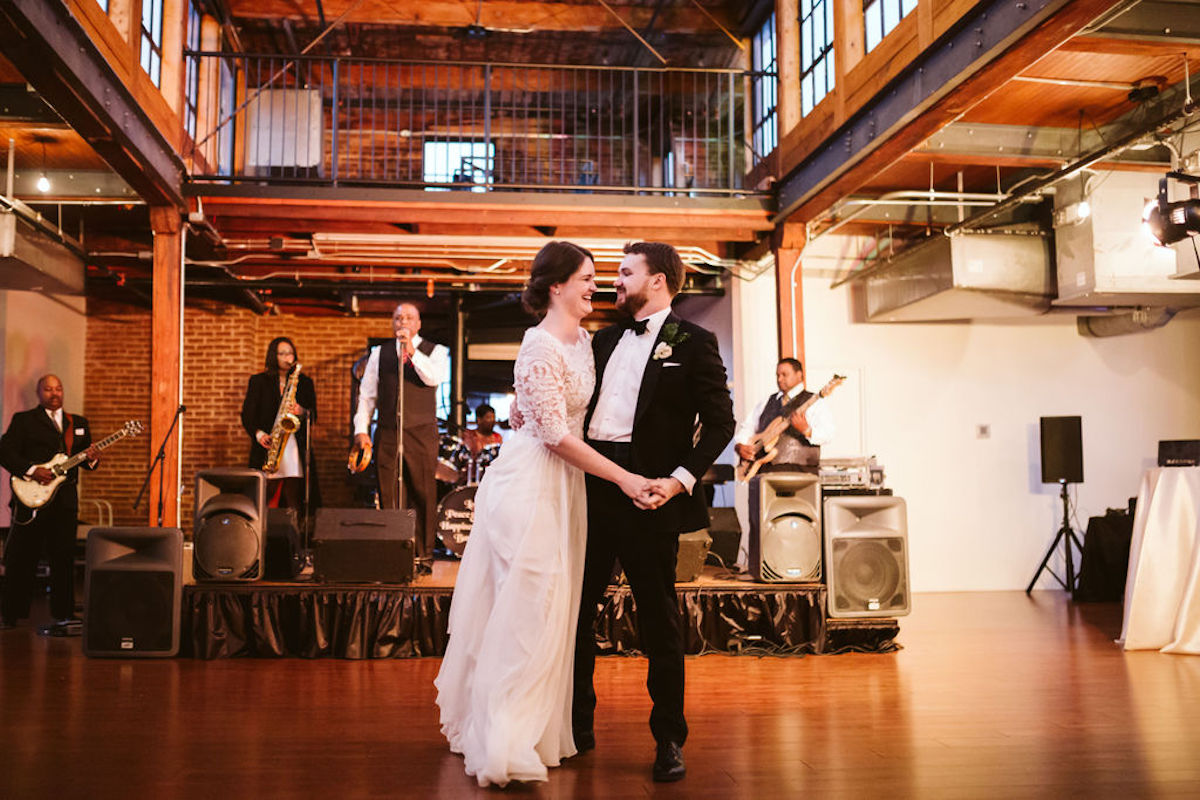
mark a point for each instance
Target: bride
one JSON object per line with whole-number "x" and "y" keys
{"x": 504, "y": 688}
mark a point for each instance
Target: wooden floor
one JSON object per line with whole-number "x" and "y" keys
{"x": 993, "y": 695}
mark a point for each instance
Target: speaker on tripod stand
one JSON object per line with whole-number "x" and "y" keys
{"x": 1062, "y": 463}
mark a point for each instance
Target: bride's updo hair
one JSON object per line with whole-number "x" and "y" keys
{"x": 554, "y": 264}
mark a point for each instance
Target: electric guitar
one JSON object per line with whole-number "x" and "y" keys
{"x": 765, "y": 440}
{"x": 35, "y": 495}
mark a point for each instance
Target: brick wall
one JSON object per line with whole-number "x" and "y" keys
{"x": 223, "y": 347}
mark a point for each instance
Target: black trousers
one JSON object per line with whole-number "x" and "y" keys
{"x": 617, "y": 530}
{"x": 52, "y": 531}
{"x": 420, "y": 482}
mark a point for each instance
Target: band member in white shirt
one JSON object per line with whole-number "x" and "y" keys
{"x": 425, "y": 366}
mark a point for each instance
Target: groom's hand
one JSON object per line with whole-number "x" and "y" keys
{"x": 663, "y": 489}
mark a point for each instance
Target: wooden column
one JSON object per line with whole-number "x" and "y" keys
{"x": 787, "y": 60}
{"x": 788, "y": 243}
{"x": 167, "y": 323}
{"x": 849, "y": 44}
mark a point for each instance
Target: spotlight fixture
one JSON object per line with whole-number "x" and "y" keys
{"x": 1169, "y": 222}
{"x": 43, "y": 183}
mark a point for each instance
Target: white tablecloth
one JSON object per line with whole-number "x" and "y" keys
{"x": 1162, "y": 589}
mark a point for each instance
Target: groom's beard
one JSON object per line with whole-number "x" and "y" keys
{"x": 632, "y": 303}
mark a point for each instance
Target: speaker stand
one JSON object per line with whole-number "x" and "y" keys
{"x": 1067, "y": 536}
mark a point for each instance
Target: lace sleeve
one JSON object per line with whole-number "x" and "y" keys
{"x": 541, "y": 392}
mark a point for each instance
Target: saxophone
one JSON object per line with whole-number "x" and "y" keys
{"x": 286, "y": 423}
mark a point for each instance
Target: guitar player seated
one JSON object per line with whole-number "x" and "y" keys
{"x": 32, "y": 440}
{"x": 799, "y": 447}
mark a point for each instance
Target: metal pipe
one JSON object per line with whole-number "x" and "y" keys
{"x": 904, "y": 197}
{"x": 1121, "y": 144}
{"x": 458, "y": 359}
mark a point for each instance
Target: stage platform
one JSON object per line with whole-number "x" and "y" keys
{"x": 723, "y": 613}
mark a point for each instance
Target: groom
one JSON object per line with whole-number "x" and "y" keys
{"x": 657, "y": 378}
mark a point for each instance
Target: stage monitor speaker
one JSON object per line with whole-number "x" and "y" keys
{"x": 364, "y": 545}
{"x": 229, "y": 525}
{"x": 1062, "y": 450}
{"x": 284, "y": 553}
{"x": 133, "y": 591}
{"x": 785, "y": 527}
{"x": 693, "y": 551}
{"x": 726, "y": 533}
{"x": 866, "y": 556}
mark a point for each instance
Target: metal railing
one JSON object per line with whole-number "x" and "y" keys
{"x": 470, "y": 126}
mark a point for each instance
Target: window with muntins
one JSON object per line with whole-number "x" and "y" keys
{"x": 458, "y": 162}
{"x": 764, "y": 88}
{"x": 191, "y": 94}
{"x": 152, "y": 23}
{"x": 881, "y": 16}
{"x": 817, "y": 73}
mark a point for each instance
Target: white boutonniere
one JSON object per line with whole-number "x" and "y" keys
{"x": 668, "y": 340}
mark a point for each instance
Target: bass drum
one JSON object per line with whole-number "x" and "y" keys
{"x": 455, "y": 515}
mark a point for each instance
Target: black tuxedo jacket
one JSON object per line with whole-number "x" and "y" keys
{"x": 262, "y": 404}
{"x": 678, "y": 393}
{"x": 32, "y": 439}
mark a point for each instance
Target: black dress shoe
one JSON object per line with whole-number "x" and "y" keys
{"x": 669, "y": 766}
{"x": 584, "y": 741}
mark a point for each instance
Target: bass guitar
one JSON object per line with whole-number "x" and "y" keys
{"x": 35, "y": 495}
{"x": 765, "y": 441}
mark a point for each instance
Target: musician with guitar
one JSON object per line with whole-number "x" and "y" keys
{"x": 798, "y": 447}
{"x": 32, "y": 441}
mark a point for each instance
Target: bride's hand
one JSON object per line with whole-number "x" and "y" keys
{"x": 635, "y": 487}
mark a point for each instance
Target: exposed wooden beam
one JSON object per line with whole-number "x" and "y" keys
{"x": 52, "y": 49}
{"x": 508, "y": 15}
{"x": 707, "y": 222}
{"x": 842, "y": 163}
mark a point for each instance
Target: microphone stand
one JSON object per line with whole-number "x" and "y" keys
{"x": 400, "y": 428}
{"x": 158, "y": 460}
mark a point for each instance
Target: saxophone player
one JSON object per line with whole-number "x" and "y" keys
{"x": 261, "y": 409}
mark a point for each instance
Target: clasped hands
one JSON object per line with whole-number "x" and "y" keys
{"x": 651, "y": 493}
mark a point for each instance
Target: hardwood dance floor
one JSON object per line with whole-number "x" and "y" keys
{"x": 993, "y": 695}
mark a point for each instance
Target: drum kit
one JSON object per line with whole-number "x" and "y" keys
{"x": 459, "y": 466}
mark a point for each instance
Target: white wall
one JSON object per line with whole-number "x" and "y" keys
{"x": 39, "y": 334}
{"x": 979, "y": 518}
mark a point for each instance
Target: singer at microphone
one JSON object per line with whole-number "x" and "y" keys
{"x": 425, "y": 366}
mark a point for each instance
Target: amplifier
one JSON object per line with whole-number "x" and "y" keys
{"x": 364, "y": 545}
{"x": 859, "y": 473}
{"x": 1179, "y": 453}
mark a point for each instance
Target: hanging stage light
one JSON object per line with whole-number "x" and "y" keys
{"x": 1169, "y": 222}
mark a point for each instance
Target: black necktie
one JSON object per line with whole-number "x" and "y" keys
{"x": 638, "y": 326}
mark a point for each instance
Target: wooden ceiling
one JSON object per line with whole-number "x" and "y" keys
{"x": 1128, "y": 50}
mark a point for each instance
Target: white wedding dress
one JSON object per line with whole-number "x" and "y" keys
{"x": 505, "y": 684}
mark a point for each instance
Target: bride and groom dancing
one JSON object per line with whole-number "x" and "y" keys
{"x": 515, "y": 686}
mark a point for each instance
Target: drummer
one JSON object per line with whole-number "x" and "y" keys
{"x": 484, "y": 434}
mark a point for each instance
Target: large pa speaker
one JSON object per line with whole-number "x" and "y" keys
{"x": 1062, "y": 450}
{"x": 132, "y": 592}
{"x": 866, "y": 556}
{"x": 785, "y": 527}
{"x": 364, "y": 545}
{"x": 229, "y": 525}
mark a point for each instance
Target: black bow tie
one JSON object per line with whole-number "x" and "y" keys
{"x": 638, "y": 326}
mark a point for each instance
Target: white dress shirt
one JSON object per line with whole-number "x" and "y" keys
{"x": 432, "y": 369}
{"x": 56, "y": 416}
{"x": 612, "y": 420}
{"x": 818, "y": 416}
